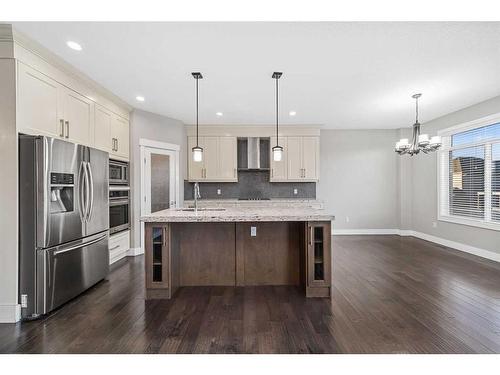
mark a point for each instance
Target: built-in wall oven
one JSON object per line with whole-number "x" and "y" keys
{"x": 119, "y": 208}
{"x": 118, "y": 173}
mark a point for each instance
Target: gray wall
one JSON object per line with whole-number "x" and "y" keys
{"x": 359, "y": 178}
{"x": 157, "y": 128}
{"x": 423, "y": 191}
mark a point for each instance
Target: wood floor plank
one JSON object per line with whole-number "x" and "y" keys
{"x": 390, "y": 294}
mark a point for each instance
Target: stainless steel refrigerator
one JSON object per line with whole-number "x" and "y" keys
{"x": 63, "y": 221}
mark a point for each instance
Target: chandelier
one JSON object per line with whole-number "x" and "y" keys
{"x": 419, "y": 142}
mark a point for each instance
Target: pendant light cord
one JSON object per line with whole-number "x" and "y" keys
{"x": 277, "y": 104}
{"x": 196, "y": 111}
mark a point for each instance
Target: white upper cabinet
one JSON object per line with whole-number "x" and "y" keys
{"x": 120, "y": 136}
{"x": 219, "y": 162}
{"x": 310, "y": 158}
{"x": 102, "y": 129}
{"x": 39, "y": 103}
{"x": 78, "y": 117}
{"x": 47, "y": 107}
{"x": 228, "y": 158}
{"x": 278, "y": 168}
{"x": 302, "y": 159}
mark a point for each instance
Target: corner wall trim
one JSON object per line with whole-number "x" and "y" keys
{"x": 10, "y": 313}
{"x": 134, "y": 251}
{"x": 423, "y": 236}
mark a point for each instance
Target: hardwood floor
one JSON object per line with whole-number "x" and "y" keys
{"x": 391, "y": 295}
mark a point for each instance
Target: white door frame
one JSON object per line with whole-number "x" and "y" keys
{"x": 145, "y": 145}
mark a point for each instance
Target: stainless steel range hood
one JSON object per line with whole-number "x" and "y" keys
{"x": 253, "y": 154}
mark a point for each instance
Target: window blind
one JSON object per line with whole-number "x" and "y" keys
{"x": 469, "y": 175}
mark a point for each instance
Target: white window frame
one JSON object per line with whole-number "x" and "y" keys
{"x": 443, "y": 168}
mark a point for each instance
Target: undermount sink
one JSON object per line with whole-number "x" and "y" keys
{"x": 201, "y": 209}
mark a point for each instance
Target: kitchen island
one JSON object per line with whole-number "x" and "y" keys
{"x": 238, "y": 246}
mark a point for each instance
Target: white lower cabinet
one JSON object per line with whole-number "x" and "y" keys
{"x": 119, "y": 244}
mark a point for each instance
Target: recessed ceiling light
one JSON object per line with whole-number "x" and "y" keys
{"x": 292, "y": 113}
{"x": 139, "y": 98}
{"x": 219, "y": 114}
{"x": 74, "y": 45}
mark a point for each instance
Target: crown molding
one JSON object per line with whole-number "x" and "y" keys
{"x": 32, "y": 53}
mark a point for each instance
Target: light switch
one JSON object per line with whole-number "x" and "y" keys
{"x": 295, "y": 191}
{"x": 253, "y": 231}
{"x": 218, "y": 192}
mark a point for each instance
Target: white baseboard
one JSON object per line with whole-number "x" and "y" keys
{"x": 134, "y": 251}
{"x": 351, "y": 232}
{"x": 10, "y": 313}
{"x": 424, "y": 236}
{"x": 454, "y": 245}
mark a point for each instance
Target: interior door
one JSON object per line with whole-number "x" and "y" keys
{"x": 159, "y": 179}
{"x": 98, "y": 170}
{"x": 39, "y": 107}
{"x": 78, "y": 117}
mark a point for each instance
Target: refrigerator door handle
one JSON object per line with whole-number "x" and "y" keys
{"x": 81, "y": 185}
{"x": 79, "y": 246}
{"x": 87, "y": 190}
{"x": 91, "y": 189}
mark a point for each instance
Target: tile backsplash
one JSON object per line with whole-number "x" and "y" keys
{"x": 252, "y": 184}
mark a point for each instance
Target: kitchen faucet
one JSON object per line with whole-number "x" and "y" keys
{"x": 197, "y": 195}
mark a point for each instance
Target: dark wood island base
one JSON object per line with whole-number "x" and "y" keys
{"x": 238, "y": 254}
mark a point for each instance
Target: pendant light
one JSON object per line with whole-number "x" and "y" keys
{"x": 277, "y": 150}
{"x": 419, "y": 142}
{"x": 197, "y": 150}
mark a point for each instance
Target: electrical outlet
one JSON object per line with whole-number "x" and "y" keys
{"x": 219, "y": 192}
{"x": 24, "y": 300}
{"x": 434, "y": 224}
{"x": 347, "y": 219}
{"x": 295, "y": 191}
{"x": 253, "y": 231}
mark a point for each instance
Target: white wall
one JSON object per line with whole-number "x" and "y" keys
{"x": 158, "y": 128}
{"x": 9, "y": 308}
{"x": 423, "y": 190}
{"x": 359, "y": 178}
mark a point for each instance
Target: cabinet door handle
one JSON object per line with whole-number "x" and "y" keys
{"x": 67, "y": 129}
{"x": 116, "y": 144}
{"x": 61, "y": 134}
{"x": 165, "y": 237}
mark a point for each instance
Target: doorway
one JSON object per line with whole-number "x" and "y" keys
{"x": 159, "y": 177}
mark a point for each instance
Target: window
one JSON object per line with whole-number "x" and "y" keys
{"x": 469, "y": 174}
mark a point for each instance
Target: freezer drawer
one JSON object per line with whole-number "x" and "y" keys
{"x": 65, "y": 271}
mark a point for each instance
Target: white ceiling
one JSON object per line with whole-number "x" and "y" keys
{"x": 342, "y": 75}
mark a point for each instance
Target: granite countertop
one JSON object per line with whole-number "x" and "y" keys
{"x": 239, "y": 214}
